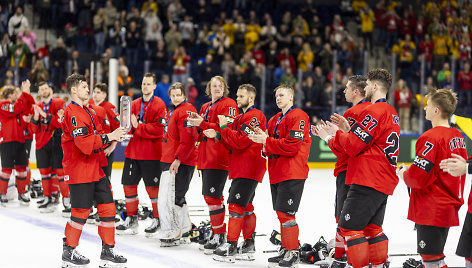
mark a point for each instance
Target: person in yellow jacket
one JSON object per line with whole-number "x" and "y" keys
{"x": 305, "y": 58}
{"x": 367, "y": 26}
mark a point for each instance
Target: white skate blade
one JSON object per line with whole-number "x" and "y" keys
{"x": 150, "y": 235}
{"x": 295, "y": 265}
{"x": 129, "y": 231}
{"x": 66, "y": 264}
{"x": 208, "y": 251}
{"x": 49, "y": 209}
{"x": 229, "y": 259}
{"x": 24, "y": 204}
{"x": 245, "y": 257}
{"x": 324, "y": 263}
{"x": 110, "y": 264}
{"x": 165, "y": 243}
{"x": 273, "y": 264}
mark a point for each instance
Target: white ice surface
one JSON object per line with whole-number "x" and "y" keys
{"x": 31, "y": 239}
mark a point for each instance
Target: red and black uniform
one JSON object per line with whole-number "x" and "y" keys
{"x": 48, "y": 150}
{"x": 83, "y": 142}
{"x": 143, "y": 153}
{"x": 245, "y": 175}
{"x": 435, "y": 196}
{"x": 28, "y": 139}
{"x": 340, "y": 170}
{"x": 13, "y": 152}
{"x": 372, "y": 147}
{"x": 105, "y": 125}
{"x": 288, "y": 148}
{"x": 179, "y": 142}
{"x": 213, "y": 159}
{"x": 464, "y": 248}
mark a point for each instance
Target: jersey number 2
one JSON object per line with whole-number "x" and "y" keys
{"x": 392, "y": 148}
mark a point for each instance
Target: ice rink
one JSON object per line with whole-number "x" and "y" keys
{"x": 31, "y": 239}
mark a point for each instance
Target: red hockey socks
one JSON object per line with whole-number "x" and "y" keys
{"x": 378, "y": 244}
{"x": 75, "y": 225}
{"x": 28, "y": 174}
{"x": 249, "y": 226}
{"x": 217, "y": 214}
{"x": 63, "y": 186}
{"x": 21, "y": 179}
{"x": 339, "y": 245}
{"x": 46, "y": 181}
{"x": 434, "y": 261}
{"x": 289, "y": 230}
{"x": 235, "y": 222}
{"x": 4, "y": 178}
{"x": 55, "y": 184}
{"x": 131, "y": 198}
{"x": 153, "y": 192}
{"x": 106, "y": 227}
{"x": 357, "y": 248}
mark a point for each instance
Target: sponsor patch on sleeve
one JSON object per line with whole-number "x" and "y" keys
{"x": 423, "y": 163}
{"x": 187, "y": 124}
{"x": 116, "y": 119}
{"x": 162, "y": 120}
{"x": 361, "y": 133}
{"x": 229, "y": 119}
{"x": 80, "y": 131}
{"x": 297, "y": 134}
{"x": 246, "y": 129}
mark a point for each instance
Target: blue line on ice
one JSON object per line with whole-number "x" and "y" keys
{"x": 138, "y": 252}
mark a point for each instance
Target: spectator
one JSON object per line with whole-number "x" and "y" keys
{"x": 124, "y": 81}
{"x": 344, "y": 57}
{"x": 99, "y": 29}
{"x": 305, "y": 58}
{"x": 465, "y": 49}
{"x": 426, "y": 48}
{"x": 180, "y": 61}
{"x": 133, "y": 40}
{"x": 203, "y": 15}
{"x": 38, "y": 73}
{"x": 391, "y": 22}
{"x": 162, "y": 89}
{"x": 116, "y": 38}
{"x": 239, "y": 35}
{"x": 173, "y": 38}
{"x": 219, "y": 45}
{"x": 442, "y": 74}
{"x": 58, "y": 63}
{"x": 420, "y": 30}
{"x": 326, "y": 58}
{"x": 29, "y": 38}
{"x": 283, "y": 37}
{"x": 153, "y": 28}
{"x": 403, "y": 100}
{"x": 285, "y": 56}
{"x": 159, "y": 59}
{"x": 367, "y": 26}
{"x": 175, "y": 11}
{"x": 300, "y": 25}
{"x": 77, "y": 65}
{"x": 42, "y": 54}
{"x": 229, "y": 28}
{"x": 207, "y": 70}
{"x": 111, "y": 14}
{"x": 17, "y": 23}
{"x": 186, "y": 28}
{"x": 406, "y": 53}
{"x": 288, "y": 78}
{"x": 464, "y": 80}
{"x": 311, "y": 94}
{"x": 227, "y": 65}
{"x": 440, "y": 51}
{"x": 192, "y": 91}
{"x": 134, "y": 16}
{"x": 150, "y": 4}
{"x": 268, "y": 31}
{"x": 18, "y": 53}
{"x": 258, "y": 54}
{"x": 4, "y": 14}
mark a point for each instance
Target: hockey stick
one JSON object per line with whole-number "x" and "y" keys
{"x": 403, "y": 254}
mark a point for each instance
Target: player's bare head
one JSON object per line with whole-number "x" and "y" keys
{"x": 358, "y": 82}
{"x": 177, "y": 87}
{"x": 381, "y": 78}
{"x": 148, "y": 84}
{"x": 8, "y": 91}
{"x": 44, "y": 90}
{"x": 245, "y": 96}
{"x": 100, "y": 91}
{"x": 102, "y": 87}
{"x": 177, "y": 93}
{"x": 444, "y": 99}
{"x": 217, "y": 87}
{"x": 151, "y": 75}
{"x": 74, "y": 80}
{"x": 284, "y": 96}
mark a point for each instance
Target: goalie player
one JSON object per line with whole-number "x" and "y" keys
{"x": 246, "y": 170}
{"x": 178, "y": 161}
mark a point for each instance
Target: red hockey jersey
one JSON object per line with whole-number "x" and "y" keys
{"x": 352, "y": 115}
{"x": 44, "y": 128}
{"x": 146, "y": 143}
{"x": 246, "y": 160}
{"x": 26, "y": 124}
{"x": 372, "y": 146}
{"x": 102, "y": 118}
{"x": 212, "y": 154}
{"x": 10, "y": 113}
{"x": 82, "y": 145}
{"x": 288, "y": 146}
{"x": 111, "y": 114}
{"x": 435, "y": 196}
{"x": 181, "y": 137}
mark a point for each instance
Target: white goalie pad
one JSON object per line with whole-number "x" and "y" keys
{"x": 168, "y": 215}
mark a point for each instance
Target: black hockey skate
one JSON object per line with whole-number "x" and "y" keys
{"x": 216, "y": 241}
{"x": 24, "y": 199}
{"x": 274, "y": 261}
{"x": 47, "y": 206}
{"x": 226, "y": 252}
{"x": 71, "y": 257}
{"x": 130, "y": 226}
{"x": 152, "y": 229}
{"x": 247, "y": 250}
{"x": 338, "y": 263}
{"x": 3, "y": 200}
{"x": 291, "y": 259}
{"x": 67, "y": 207}
{"x": 108, "y": 258}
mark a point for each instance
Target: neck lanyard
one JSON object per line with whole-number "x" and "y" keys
{"x": 250, "y": 108}
{"x": 46, "y": 107}
{"x": 205, "y": 116}
{"x": 171, "y": 111}
{"x": 141, "y": 113}
{"x": 381, "y": 100}
{"x": 280, "y": 120}
{"x": 91, "y": 117}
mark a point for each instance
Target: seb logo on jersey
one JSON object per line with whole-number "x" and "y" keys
{"x": 81, "y": 131}
{"x": 297, "y": 134}
{"x": 423, "y": 163}
{"x": 246, "y": 129}
{"x": 361, "y": 133}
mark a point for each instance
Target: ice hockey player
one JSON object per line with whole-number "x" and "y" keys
{"x": 143, "y": 155}
{"x": 247, "y": 167}
{"x": 46, "y": 121}
{"x": 372, "y": 146}
{"x": 355, "y": 94}
{"x": 13, "y": 151}
{"x": 287, "y": 145}
{"x": 179, "y": 157}
{"x": 83, "y": 144}
{"x": 213, "y": 156}
{"x": 435, "y": 195}
{"x": 100, "y": 92}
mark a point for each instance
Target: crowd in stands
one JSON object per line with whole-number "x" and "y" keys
{"x": 191, "y": 41}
